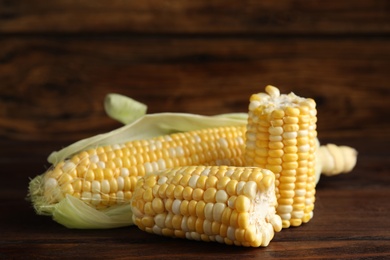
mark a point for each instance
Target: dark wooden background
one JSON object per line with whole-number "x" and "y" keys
{"x": 58, "y": 60}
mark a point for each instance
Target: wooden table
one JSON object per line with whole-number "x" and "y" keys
{"x": 58, "y": 60}
{"x": 350, "y": 221}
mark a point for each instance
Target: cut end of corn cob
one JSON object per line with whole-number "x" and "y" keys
{"x": 106, "y": 176}
{"x": 336, "y": 159}
{"x": 231, "y": 205}
{"x": 281, "y": 136}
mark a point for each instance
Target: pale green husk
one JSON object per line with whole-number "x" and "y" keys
{"x": 123, "y": 109}
{"x": 74, "y": 213}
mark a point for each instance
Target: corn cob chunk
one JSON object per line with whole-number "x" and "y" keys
{"x": 231, "y": 205}
{"x": 281, "y": 136}
{"x": 335, "y": 159}
{"x": 107, "y": 175}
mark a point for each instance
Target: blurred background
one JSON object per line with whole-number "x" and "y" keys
{"x": 59, "y": 59}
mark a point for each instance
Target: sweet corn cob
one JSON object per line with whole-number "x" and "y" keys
{"x": 231, "y": 205}
{"x": 107, "y": 175}
{"x": 281, "y": 136}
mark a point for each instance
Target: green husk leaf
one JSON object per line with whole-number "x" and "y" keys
{"x": 123, "y": 109}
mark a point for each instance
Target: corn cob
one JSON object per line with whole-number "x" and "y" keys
{"x": 107, "y": 175}
{"x": 281, "y": 136}
{"x": 231, "y": 205}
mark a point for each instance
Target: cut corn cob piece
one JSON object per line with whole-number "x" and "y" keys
{"x": 231, "y": 205}
{"x": 281, "y": 136}
{"x": 106, "y": 176}
{"x": 335, "y": 159}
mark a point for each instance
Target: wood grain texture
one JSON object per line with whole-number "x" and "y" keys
{"x": 175, "y": 16}
{"x": 56, "y": 87}
{"x": 59, "y": 59}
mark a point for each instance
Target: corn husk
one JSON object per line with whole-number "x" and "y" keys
{"x": 123, "y": 109}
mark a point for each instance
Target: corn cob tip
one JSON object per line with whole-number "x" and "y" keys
{"x": 49, "y": 199}
{"x": 35, "y": 195}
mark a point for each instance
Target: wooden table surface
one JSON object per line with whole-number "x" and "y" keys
{"x": 58, "y": 60}
{"x": 351, "y": 220}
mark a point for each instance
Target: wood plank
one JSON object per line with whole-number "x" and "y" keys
{"x": 196, "y": 17}
{"x": 54, "y": 88}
